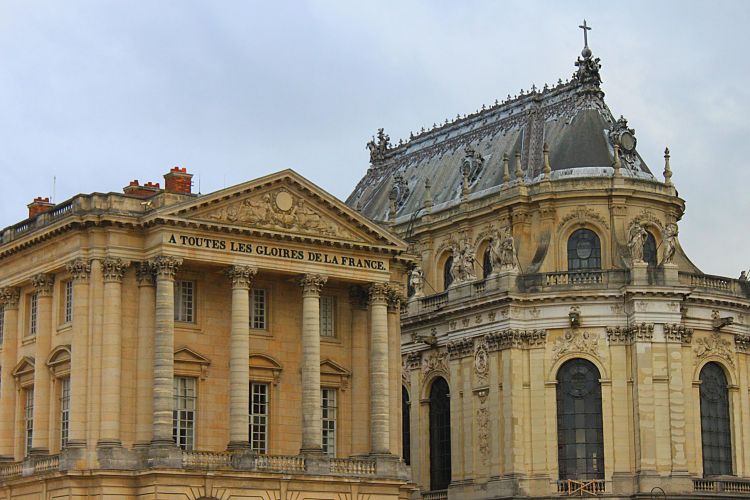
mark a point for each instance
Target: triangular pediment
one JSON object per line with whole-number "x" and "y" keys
{"x": 25, "y": 366}
{"x": 187, "y": 355}
{"x": 329, "y": 367}
{"x": 284, "y": 203}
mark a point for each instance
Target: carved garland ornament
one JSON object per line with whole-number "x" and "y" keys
{"x": 481, "y": 360}
{"x": 583, "y": 214}
{"x": 483, "y": 422}
{"x": 435, "y": 361}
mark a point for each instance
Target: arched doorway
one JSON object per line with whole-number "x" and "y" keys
{"x": 716, "y": 435}
{"x": 440, "y": 435}
{"x": 580, "y": 435}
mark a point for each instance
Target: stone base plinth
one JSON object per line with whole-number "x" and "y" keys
{"x": 671, "y": 276}
{"x": 639, "y": 273}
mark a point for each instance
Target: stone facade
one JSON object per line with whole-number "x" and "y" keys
{"x": 110, "y": 303}
{"x": 500, "y": 300}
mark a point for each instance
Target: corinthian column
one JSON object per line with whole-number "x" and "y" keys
{"x": 165, "y": 267}
{"x": 239, "y": 371}
{"x": 379, "y": 417}
{"x": 43, "y": 284}
{"x": 9, "y": 298}
{"x": 311, "y": 426}
{"x": 145, "y": 353}
{"x": 113, "y": 270}
{"x": 80, "y": 270}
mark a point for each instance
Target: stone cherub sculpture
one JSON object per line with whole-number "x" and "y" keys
{"x": 670, "y": 243}
{"x": 636, "y": 240}
{"x": 416, "y": 281}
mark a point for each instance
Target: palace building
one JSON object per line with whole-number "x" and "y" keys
{"x": 556, "y": 339}
{"x": 158, "y": 344}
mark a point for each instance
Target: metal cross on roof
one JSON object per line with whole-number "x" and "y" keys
{"x": 585, "y": 34}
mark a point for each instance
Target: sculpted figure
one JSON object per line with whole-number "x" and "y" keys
{"x": 416, "y": 281}
{"x": 462, "y": 267}
{"x": 503, "y": 251}
{"x": 636, "y": 241}
{"x": 670, "y": 243}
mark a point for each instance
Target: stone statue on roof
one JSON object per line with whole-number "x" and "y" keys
{"x": 416, "y": 281}
{"x": 503, "y": 251}
{"x": 636, "y": 240}
{"x": 380, "y": 148}
{"x": 670, "y": 243}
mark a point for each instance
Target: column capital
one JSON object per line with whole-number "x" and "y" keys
{"x": 144, "y": 273}
{"x": 241, "y": 276}
{"x": 79, "y": 268}
{"x": 9, "y": 297}
{"x": 165, "y": 266}
{"x": 114, "y": 269}
{"x": 396, "y": 295}
{"x": 378, "y": 293}
{"x": 312, "y": 284}
{"x": 43, "y": 283}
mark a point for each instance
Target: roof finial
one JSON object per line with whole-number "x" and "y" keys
{"x": 616, "y": 164}
{"x": 506, "y": 173}
{"x": 586, "y": 52}
{"x": 667, "y": 169}
{"x": 519, "y": 170}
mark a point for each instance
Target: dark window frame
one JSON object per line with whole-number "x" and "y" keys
{"x": 584, "y": 251}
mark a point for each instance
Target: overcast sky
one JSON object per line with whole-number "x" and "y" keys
{"x": 97, "y": 93}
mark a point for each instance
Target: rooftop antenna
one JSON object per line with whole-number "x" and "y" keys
{"x": 54, "y": 187}
{"x": 586, "y": 52}
{"x": 199, "y": 184}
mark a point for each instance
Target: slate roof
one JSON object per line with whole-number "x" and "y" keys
{"x": 571, "y": 118}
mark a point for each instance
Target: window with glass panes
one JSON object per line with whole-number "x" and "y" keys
{"x": 327, "y": 305}
{"x": 184, "y": 301}
{"x": 67, "y": 302}
{"x": 259, "y": 417}
{"x": 328, "y": 420}
{"x": 2, "y": 323}
{"x": 33, "y": 308}
{"x": 28, "y": 418}
{"x": 183, "y": 413}
{"x": 64, "y": 411}
{"x": 258, "y": 308}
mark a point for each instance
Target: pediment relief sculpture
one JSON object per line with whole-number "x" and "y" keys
{"x": 278, "y": 210}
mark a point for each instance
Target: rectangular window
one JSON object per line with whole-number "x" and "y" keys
{"x": 64, "y": 411}
{"x": 183, "y": 413}
{"x": 258, "y": 308}
{"x": 2, "y": 323}
{"x": 33, "y": 309}
{"x": 184, "y": 301}
{"x": 327, "y": 307}
{"x": 259, "y": 417}
{"x": 28, "y": 417}
{"x": 67, "y": 301}
{"x": 328, "y": 417}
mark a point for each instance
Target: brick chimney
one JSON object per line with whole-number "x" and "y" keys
{"x": 178, "y": 181}
{"x": 146, "y": 191}
{"x": 38, "y": 206}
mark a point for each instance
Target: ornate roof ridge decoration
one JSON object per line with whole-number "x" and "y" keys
{"x": 713, "y": 345}
{"x": 643, "y": 332}
{"x": 576, "y": 341}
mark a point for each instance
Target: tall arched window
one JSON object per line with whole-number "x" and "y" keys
{"x": 487, "y": 262}
{"x": 405, "y": 430}
{"x": 580, "y": 436}
{"x": 447, "y": 276}
{"x": 716, "y": 435}
{"x": 584, "y": 251}
{"x": 440, "y": 435}
{"x": 649, "y": 249}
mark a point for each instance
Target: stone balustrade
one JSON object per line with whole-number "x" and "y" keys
{"x": 352, "y": 466}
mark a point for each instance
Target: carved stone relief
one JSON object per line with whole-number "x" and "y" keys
{"x": 483, "y": 421}
{"x": 678, "y": 332}
{"x": 435, "y": 361}
{"x": 583, "y": 214}
{"x": 279, "y": 210}
{"x": 481, "y": 360}
{"x": 714, "y": 345}
{"x": 575, "y": 341}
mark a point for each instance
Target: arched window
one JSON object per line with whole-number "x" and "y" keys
{"x": 487, "y": 262}
{"x": 584, "y": 251}
{"x": 405, "y": 430}
{"x": 649, "y": 249}
{"x": 440, "y": 435}
{"x": 715, "y": 433}
{"x": 447, "y": 276}
{"x": 580, "y": 436}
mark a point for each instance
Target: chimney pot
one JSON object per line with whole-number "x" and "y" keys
{"x": 177, "y": 180}
{"x": 39, "y": 205}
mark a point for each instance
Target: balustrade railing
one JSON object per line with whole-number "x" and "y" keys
{"x": 581, "y": 487}
{"x": 435, "y": 495}
{"x": 574, "y": 278}
{"x": 206, "y": 460}
{"x": 721, "y": 486}
{"x": 280, "y": 463}
{"x": 352, "y": 466}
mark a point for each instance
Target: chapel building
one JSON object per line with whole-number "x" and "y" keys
{"x": 158, "y": 344}
{"x": 556, "y": 339}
